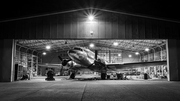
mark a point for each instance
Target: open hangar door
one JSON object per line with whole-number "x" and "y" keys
{"x": 140, "y": 57}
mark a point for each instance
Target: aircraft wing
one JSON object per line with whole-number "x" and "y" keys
{"x": 135, "y": 64}
{"x": 50, "y": 65}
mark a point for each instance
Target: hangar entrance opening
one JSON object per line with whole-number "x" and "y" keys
{"x": 118, "y": 59}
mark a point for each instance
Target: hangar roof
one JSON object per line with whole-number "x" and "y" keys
{"x": 63, "y": 45}
{"x": 158, "y": 8}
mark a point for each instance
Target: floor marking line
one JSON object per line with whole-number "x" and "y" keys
{"x": 83, "y": 91}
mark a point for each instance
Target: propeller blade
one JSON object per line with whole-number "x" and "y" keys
{"x": 61, "y": 70}
{"x": 100, "y": 64}
{"x": 60, "y": 58}
{"x": 90, "y": 65}
{"x": 65, "y": 61}
{"x": 111, "y": 68}
{"x": 97, "y": 62}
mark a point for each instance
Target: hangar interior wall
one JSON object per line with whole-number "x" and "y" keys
{"x": 156, "y": 54}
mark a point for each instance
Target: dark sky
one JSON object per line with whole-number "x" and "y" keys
{"x": 167, "y": 9}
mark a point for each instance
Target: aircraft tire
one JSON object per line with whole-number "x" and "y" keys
{"x": 72, "y": 76}
{"x": 103, "y": 76}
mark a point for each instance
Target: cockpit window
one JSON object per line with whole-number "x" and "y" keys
{"x": 76, "y": 48}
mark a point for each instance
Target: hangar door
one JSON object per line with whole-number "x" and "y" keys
{"x": 40, "y": 60}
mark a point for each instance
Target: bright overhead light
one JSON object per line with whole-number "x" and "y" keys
{"x": 119, "y": 54}
{"x": 130, "y": 56}
{"x": 115, "y": 43}
{"x": 91, "y": 32}
{"x": 44, "y": 53}
{"x": 91, "y": 45}
{"x": 48, "y": 47}
{"x": 137, "y": 53}
{"x": 147, "y": 49}
{"x": 91, "y": 17}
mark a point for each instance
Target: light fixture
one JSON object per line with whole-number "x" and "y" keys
{"x": 130, "y": 56}
{"x": 91, "y": 17}
{"x": 91, "y": 45}
{"x": 115, "y": 43}
{"x": 147, "y": 49}
{"x": 119, "y": 54}
{"x": 137, "y": 53}
{"x": 44, "y": 53}
{"x": 91, "y": 32}
{"x": 48, "y": 47}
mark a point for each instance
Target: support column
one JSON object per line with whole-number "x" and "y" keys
{"x": 160, "y": 53}
{"x": 110, "y": 57}
{"x": 173, "y": 62}
{"x": 122, "y": 57}
{"x": 154, "y": 54}
{"x": 148, "y": 56}
{"x": 142, "y": 59}
{"x": 7, "y": 63}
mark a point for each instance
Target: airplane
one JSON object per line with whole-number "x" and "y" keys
{"x": 83, "y": 59}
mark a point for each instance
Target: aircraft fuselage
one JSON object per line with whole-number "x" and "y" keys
{"x": 84, "y": 58}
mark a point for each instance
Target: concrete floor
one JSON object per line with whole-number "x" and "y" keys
{"x": 97, "y": 90}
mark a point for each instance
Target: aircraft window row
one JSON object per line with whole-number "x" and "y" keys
{"x": 78, "y": 49}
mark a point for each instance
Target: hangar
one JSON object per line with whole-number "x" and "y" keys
{"x": 65, "y": 29}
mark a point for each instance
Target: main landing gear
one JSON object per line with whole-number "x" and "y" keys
{"x": 103, "y": 76}
{"x": 72, "y": 76}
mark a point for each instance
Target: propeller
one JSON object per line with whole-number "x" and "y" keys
{"x": 64, "y": 62}
{"x": 60, "y": 58}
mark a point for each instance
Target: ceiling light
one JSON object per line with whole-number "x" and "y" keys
{"x": 48, "y": 47}
{"x": 115, "y": 43}
{"x": 44, "y": 53}
{"x": 147, "y": 49}
{"x": 137, "y": 53}
{"x": 91, "y": 32}
{"x": 91, "y": 17}
{"x": 130, "y": 56}
{"x": 119, "y": 54}
{"x": 91, "y": 45}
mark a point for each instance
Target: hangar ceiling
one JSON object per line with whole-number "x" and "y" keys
{"x": 159, "y": 8}
{"x": 63, "y": 45}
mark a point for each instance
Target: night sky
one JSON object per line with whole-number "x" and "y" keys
{"x": 154, "y": 8}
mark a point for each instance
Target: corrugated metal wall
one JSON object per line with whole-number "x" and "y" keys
{"x": 76, "y": 25}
